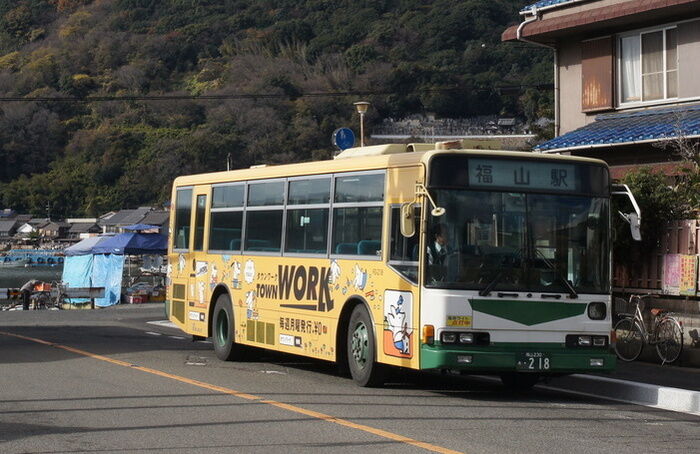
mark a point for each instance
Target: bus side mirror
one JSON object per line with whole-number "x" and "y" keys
{"x": 634, "y": 218}
{"x": 635, "y": 226}
{"x": 408, "y": 220}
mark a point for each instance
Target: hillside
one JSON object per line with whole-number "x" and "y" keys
{"x": 280, "y": 77}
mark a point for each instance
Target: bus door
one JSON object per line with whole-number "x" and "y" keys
{"x": 180, "y": 266}
{"x": 198, "y": 296}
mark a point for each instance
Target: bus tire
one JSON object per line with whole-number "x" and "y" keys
{"x": 222, "y": 324}
{"x": 361, "y": 350}
{"x": 519, "y": 382}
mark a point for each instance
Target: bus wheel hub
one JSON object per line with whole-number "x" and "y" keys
{"x": 360, "y": 344}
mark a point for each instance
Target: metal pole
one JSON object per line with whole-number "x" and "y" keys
{"x": 362, "y": 129}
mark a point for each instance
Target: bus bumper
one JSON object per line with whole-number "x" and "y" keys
{"x": 514, "y": 359}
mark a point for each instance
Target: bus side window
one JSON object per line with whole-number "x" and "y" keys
{"x": 183, "y": 212}
{"x": 357, "y": 214}
{"x": 404, "y": 252}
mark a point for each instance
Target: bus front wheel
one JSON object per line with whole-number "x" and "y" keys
{"x": 225, "y": 347}
{"x": 361, "y": 350}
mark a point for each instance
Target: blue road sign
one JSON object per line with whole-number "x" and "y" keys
{"x": 343, "y": 138}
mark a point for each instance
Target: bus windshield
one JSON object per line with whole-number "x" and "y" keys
{"x": 519, "y": 241}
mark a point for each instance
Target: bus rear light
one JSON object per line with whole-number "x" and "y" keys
{"x": 599, "y": 341}
{"x": 428, "y": 334}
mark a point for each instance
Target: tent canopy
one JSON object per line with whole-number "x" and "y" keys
{"x": 133, "y": 243}
{"x": 138, "y": 227}
{"x": 85, "y": 246}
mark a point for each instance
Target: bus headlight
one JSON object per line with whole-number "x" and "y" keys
{"x": 448, "y": 338}
{"x": 597, "y": 311}
{"x": 466, "y": 338}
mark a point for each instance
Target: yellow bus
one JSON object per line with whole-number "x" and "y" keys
{"x": 415, "y": 256}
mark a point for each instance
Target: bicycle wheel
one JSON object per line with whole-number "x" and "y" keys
{"x": 629, "y": 340}
{"x": 670, "y": 340}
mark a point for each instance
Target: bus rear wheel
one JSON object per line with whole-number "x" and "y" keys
{"x": 222, "y": 325}
{"x": 361, "y": 350}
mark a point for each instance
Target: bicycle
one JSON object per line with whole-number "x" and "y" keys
{"x": 60, "y": 298}
{"x": 666, "y": 333}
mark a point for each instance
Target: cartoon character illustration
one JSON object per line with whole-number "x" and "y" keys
{"x": 249, "y": 272}
{"x": 213, "y": 276}
{"x": 397, "y": 327}
{"x": 334, "y": 273}
{"x": 360, "y": 279}
{"x": 202, "y": 288}
{"x": 201, "y": 268}
{"x": 250, "y": 303}
{"x": 181, "y": 263}
{"x": 236, "y": 274}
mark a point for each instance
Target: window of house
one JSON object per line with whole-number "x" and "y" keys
{"x": 648, "y": 66}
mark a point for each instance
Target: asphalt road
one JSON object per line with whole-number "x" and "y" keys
{"x": 107, "y": 381}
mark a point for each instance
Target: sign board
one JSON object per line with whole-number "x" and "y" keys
{"x": 343, "y": 138}
{"x": 680, "y": 274}
{"x": 523, "y": 175}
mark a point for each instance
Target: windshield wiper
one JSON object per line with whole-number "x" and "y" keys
{"x": 490, "y": 286}
{"x": 562, "y": 279}
{"x": 486, "y": 290}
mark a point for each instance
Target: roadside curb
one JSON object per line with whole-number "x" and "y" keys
{"x": 655, "y": 396}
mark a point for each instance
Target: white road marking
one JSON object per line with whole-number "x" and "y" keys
{"x": 166, "y": 323}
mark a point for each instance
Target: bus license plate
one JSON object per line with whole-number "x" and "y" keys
{"x": 533, "y": 361}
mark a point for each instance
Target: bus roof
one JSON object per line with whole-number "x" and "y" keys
{"x": 381, "y": 158}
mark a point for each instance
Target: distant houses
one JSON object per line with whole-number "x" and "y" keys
{"x": 21, "y": 228}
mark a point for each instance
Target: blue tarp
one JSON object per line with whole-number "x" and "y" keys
{"x": 102, "y": 270}
{"x": 137, "y": 227}
{"x": 133, "y": 243}
{"x": 77, "y": 272}
{"x": 107, "y": 272}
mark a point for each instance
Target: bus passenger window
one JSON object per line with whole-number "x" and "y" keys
{"x": 183, "y": 212}
{"x": 226, "y": 218}
{"x": 307, "y": 231}
{"x": 404, "y": 252}
{"x": 199, "y": 222}
{"x": 357, "y": 231}
{"x": 264, "y": 231}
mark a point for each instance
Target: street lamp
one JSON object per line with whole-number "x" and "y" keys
{"x": 361, "y": 108}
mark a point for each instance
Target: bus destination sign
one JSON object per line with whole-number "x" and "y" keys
{"x": 523, "y": 175}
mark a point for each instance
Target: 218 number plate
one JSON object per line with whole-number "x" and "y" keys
{"x": 533, "y": 361}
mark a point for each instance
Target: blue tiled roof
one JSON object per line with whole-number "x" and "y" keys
{"x": 543, "y": 3}
{"x": 623, "y": 128}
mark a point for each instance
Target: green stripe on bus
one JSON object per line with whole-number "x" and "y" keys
{"x": 529, "y": 312}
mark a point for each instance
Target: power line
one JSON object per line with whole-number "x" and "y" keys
{"x": 88, "y": 99}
